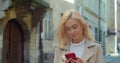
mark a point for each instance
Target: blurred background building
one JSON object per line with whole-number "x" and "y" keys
{"x": 113, "y": 24}
{"x": 27, "y": 27}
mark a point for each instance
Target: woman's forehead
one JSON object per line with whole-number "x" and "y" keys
{"x": 71, "y": 22}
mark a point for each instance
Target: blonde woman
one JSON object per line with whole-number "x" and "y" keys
{"x": 73, "y": 36}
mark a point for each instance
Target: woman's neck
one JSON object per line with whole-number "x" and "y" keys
{"x": 77, "y": 40}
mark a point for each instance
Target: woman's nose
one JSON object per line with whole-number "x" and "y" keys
{"x": 72, "y": 31}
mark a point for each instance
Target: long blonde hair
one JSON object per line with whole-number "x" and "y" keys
{"x": 61, "y": 34}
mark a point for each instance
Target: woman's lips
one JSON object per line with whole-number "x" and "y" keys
{"x": 74, "y": 35}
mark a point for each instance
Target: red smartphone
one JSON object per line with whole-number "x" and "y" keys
{"x": 70, "y": 55}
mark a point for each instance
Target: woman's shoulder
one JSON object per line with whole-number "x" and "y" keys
{"x": 94, "y": 44}
{"x": 98, "y": 46}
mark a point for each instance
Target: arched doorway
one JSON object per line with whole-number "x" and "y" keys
{"x": 13, "y": 43}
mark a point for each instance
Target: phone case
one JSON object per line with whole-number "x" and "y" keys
{"x": 70, "y": 55}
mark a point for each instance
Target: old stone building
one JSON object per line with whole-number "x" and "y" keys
{"x": 20, "y": 31}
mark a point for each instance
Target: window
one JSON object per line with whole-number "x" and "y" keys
{"x": 100, "y": 35}
{"x": 47, "y": 25}
{"x": 79, "y": 8}
{"x": 96, "y": 34}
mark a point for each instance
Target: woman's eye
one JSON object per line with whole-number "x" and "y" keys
{"x": 67, "y": 29}
{"x": 75, "y": 26}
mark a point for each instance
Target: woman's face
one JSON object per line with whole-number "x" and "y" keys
{"x": 74, "y": 30}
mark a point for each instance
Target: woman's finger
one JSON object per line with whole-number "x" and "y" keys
{"x": 68, "y": 61}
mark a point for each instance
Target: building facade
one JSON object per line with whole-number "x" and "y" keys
{"x": 113, "y": 27}
{"x": 118, "y": 25}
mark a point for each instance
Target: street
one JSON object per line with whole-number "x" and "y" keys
{"x": 112, "y": 59}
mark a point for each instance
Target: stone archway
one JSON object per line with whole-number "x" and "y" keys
{"x": 15, "y": 42}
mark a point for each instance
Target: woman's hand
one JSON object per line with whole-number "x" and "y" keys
{"x": 76, "y": 60}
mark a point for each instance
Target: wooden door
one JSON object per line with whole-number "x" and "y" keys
{"x": 12, "y": 43}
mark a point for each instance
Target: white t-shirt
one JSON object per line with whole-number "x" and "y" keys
{"x": 78, "y": 48}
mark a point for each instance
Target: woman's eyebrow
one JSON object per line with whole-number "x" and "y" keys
{"x": 74, "y": 24}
